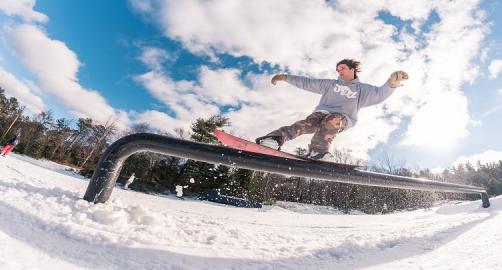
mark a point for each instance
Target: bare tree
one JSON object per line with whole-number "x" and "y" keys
{"x": 98, "y": 139}
{"x": 182, "y": 133}
{"x": 62, "y": 132}
{"x": 389, "y": 164}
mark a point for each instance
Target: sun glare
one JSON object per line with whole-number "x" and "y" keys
{"x": 438, "y": 126}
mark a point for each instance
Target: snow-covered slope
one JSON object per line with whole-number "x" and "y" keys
{"x": 44, "y": 224}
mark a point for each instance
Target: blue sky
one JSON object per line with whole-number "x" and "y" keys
{"x": 168, "y": 62}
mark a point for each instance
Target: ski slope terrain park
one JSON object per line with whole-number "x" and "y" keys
{"x": 45, "y": 224}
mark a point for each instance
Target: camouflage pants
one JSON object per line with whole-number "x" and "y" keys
{"x": 324, "y": 126}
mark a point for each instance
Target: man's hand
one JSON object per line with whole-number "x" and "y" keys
{"x": 278, "y": 77}
{"x": 396, "y": 78}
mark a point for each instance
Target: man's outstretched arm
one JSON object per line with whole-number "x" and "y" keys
{"x": 318, "y": 86}
{"x": 371, "y": 95}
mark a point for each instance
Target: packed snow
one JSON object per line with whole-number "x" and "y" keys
{"x": 44, "y": 224}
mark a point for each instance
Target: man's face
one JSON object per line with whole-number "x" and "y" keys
{"x": 346, "y": 73}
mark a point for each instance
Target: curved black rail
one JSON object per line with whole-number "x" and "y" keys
{"x": 103, "y": 180}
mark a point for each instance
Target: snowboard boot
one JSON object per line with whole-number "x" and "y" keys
{"x": 322, "y": 156}
{"x": 270, "y": 141}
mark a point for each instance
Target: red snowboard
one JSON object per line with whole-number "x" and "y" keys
{"x": 241, "y": 144}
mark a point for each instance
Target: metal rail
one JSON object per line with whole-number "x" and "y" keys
{"x": 103, "y": 180}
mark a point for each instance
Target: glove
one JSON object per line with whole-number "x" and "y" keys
{"x": 396, "y": 77}
{"x": 278, "y": 77}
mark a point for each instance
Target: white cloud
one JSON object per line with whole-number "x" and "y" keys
{"x": 494, "y": 68}
{"x": 154, "y": 58}
{"x": 309, "y": 37}
{"x": 179, "y": 97}
{"x": 310, "y": 40}
{"x": 22, "y": 91}
{"x": 160, "y": 120}
{"x": 486, "y": 157}
{"x": 190, "y": 100}
{"x": 56, "y": 67}
{"x": 142, "y": 5}
{"x": 221, "y": 86}
{"x": 23, "y": 9}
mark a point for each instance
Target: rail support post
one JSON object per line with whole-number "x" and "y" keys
{"x": 484, "y": 199}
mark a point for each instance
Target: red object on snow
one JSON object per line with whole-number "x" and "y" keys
{"x": 6, "y": 149}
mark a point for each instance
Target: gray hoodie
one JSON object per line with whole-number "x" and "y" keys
{"x": 344, "y": 97}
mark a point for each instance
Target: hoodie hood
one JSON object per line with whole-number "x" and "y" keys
{"x": 343, "y": 82}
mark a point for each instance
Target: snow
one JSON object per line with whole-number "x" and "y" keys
{"x": 44, "y": 224}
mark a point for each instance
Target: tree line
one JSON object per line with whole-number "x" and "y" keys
{"x": 80, "y": 143}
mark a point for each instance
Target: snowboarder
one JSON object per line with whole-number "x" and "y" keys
{"x": 129, "y": 181}
{"x": 337, "y": 111}
{"x": 10, "y": 144}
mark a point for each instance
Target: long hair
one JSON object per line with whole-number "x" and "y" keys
{"x": 351, "y": 63}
